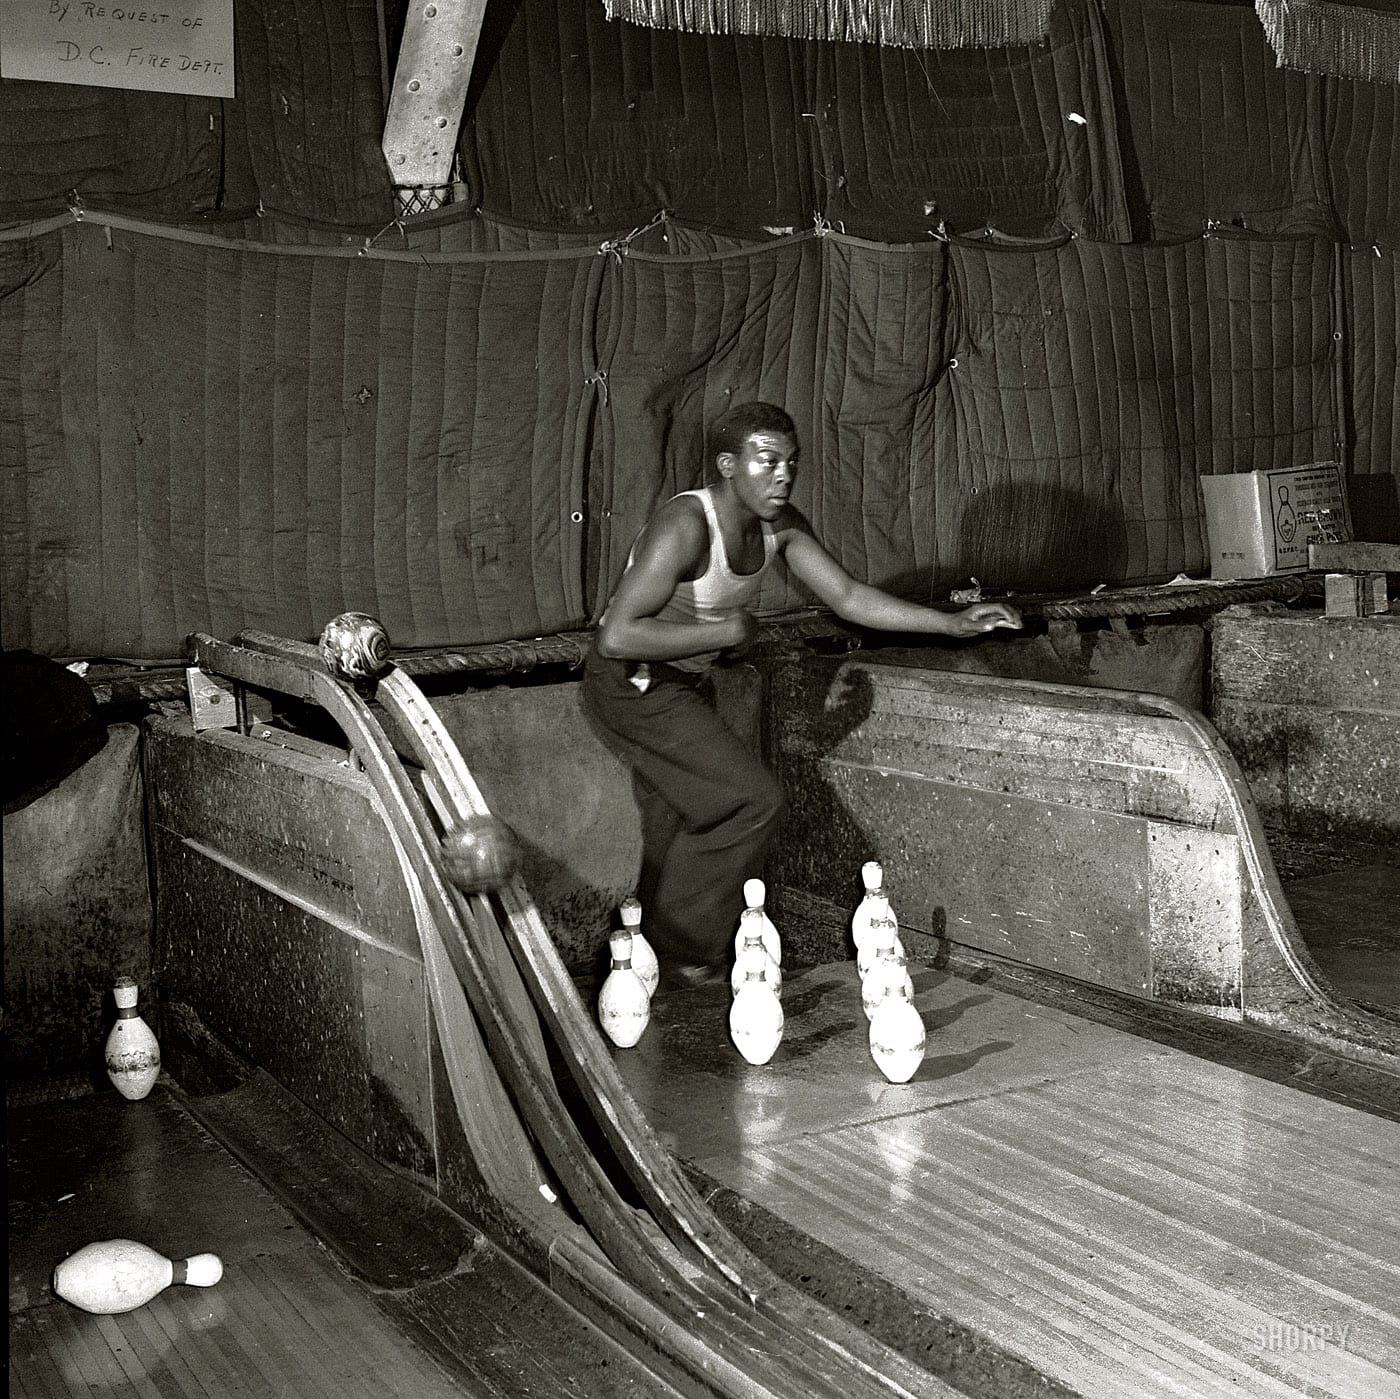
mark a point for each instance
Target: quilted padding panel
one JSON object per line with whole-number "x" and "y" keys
{"x": 1370, "y": 346}
{"x": 1363, "y": 148}
{"x": 682, "y": 339}
{"x": 203, "y": 435}
{"x": 36, "y": 493}
{"x": 303, "y": 132}
{"x": 156, "y": 153}
{"x": 582, "y": 123}
{"x": 882, "y": 352}
{"x": 1095, "y": 384}
{"x": 1214, "y": 130}
{"x": 913, "y": 139}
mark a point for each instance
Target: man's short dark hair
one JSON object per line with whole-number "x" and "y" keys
{"x": 730, "y": 431}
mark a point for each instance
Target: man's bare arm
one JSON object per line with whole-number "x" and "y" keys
{"x": 670, "y": 550}
{"x": 868, "y": 606}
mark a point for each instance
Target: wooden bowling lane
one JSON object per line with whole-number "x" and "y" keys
{"x": 1127, "y": 1218}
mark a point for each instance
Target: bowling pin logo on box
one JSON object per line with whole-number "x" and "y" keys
{"x": 1260, "y": 523}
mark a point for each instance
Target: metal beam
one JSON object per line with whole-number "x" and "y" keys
{"x": 428, "y": 95}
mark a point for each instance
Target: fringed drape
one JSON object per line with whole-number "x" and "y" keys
{"x": 908, "y": 24}
{"x": 1343, "y": 41}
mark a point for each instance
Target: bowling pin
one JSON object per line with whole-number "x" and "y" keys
{"x": 885, "y": 975}
{"x": 881, "y": 941}
{"x": 753, "y": 954}
{"x": 873, "y": 903}
{"x": 623, "y": 1004}
{"x": 756, "y": 1019}
{"x": 897, "y": 1038}
{"x": 119, "y": 1275}
{"x": 132, "y": 1054}
{"x": 755, "y": 892}
{"x": 643, "y": 957}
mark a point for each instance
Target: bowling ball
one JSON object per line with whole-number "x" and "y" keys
{"x": 480, "y": 854}
{"x": 355, "y": 646}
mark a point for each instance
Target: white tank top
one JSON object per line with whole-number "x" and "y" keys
{"x": 719, "y": 590}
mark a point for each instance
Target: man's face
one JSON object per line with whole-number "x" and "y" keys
{"x": 763, "y": 472}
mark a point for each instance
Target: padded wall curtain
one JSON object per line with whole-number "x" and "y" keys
{"x": 585, "y": 124}
{"x": 301, "y": 136}
{"x": 1096, "y": 384}
{"x": 205, "y": 435}
{"x": 202, "y": 435}
{"x": 683, "y": 337}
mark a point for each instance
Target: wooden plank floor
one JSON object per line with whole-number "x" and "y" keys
{"x": 288, "y": 1319}
{"x": 284, "y": 1320}
{"x": 289, "y": 1326}
{"x": 1128, "y": 1218}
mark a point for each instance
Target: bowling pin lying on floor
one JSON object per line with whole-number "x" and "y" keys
{"x": 897, "y": 1038}
{"x": 132, "y": 1054}
{"x": 119, "y": 1275}
{"x": 756, "y": 1018}
{"x": 623, "y": 1004}
{"x": 755, "y": 892}
{"x": 643, "y": 957}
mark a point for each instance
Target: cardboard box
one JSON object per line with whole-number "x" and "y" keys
{"x": 1261, "y": 522}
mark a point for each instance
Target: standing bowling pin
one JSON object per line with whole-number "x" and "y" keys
{"x": 887, "y": 974}
{"x": 756, "y": 1019}
{"x": 753, "y": 954}
{"x": 623, "y": 1004}
{"x": 643, "y": 957}
{"x": 897, "y": 1038}
{"x": 881, "y": 941}
{"x": 755, "y": 892}
{"x": 873, "y": 904}
{"x": 132, "y": 1054}
{"x": 119, "y": 1275}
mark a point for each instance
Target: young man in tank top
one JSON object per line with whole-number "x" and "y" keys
{"x": 709, "y": 807}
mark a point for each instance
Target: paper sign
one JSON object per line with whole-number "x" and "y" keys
{"x": 155, "y": 45}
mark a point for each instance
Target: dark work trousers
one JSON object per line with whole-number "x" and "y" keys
{"x": 709, "y": 807}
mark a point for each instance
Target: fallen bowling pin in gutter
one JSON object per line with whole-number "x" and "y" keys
{"x": 119, "y": 1275}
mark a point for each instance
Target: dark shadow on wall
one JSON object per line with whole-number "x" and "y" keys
{"x": 1034, "y": 537}
{"x": 1375, "y": 506}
